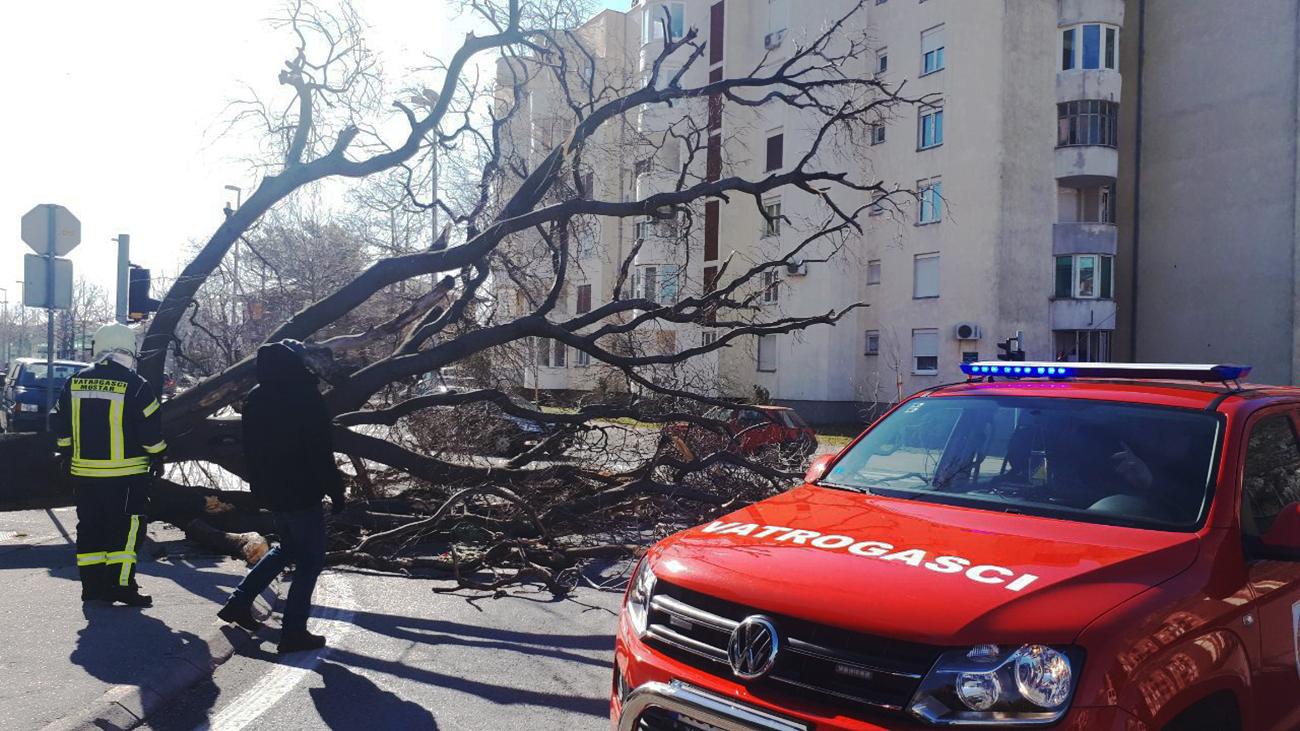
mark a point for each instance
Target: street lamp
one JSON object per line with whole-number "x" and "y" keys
{"x": 234, "y": 263}
{"x": 4, "y": 334}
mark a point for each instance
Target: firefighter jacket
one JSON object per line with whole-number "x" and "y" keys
{"x": 107, "y": 422}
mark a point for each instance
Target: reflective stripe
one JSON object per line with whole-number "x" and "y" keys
{"x": 115, "y": 435}
{"x": 151, "y": 408}
{"x": 76, "y": 429}
{"x": 91, "y": 559}
{"x": 120, "y": 557}
{"x": 155, "y": 448}
{"x": 110, "y": 467}
{"x": 127, "y": 563}
{"x": 63, "y": 441}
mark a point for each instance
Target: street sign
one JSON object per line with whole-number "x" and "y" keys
{"x": 36, "y": 276}
{"x": 36, "y": 229}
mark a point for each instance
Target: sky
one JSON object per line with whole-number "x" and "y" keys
{"x": 115, "y": 110}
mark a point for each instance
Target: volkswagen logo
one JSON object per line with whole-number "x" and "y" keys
{"x": 753, "y": 647}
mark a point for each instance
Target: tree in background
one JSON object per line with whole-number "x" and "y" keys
{"x": 381, "y": 305}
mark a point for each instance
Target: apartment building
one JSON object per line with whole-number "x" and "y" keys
{"x": 1014, "y": 155}
{"x": 1210, "y": 238}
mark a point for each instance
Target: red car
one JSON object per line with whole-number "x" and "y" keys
{"x": 751, "y": 430}
{"x": 1081, "y": 546}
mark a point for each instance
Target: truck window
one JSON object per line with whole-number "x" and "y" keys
{"x": 1271, "y": 478}
{"x": 1092, "y": 461}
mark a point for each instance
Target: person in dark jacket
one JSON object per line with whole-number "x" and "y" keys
{"x": 289, "y": 455}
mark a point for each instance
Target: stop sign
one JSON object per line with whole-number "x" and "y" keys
{"x": 37, "y": 229}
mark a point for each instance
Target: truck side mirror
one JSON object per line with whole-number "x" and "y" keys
{"x": 818, "y": 467}
{"x": 1282, "y": 541}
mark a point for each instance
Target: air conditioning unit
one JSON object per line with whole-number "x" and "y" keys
{"x": 773, "y": 40}
{"x": 966, "y": 331}
{"x": 797, "y": 269}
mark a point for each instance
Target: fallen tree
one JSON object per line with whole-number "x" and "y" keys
{"x": 493, "y": 287}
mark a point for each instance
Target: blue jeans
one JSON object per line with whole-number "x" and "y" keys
{"x": 302, "y": 543}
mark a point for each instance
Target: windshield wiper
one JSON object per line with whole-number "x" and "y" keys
{"x": 838, "y": 486}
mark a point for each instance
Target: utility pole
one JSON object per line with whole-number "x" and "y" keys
{"x": 123, "y": 275}
{"x": 234, "y": 262}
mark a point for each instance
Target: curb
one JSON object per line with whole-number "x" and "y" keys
{"x": 125, "y": 707}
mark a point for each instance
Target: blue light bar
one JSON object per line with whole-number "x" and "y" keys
{"x": 1059, "y": 371}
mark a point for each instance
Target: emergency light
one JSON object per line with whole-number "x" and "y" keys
{"x": 1065, "y": 371}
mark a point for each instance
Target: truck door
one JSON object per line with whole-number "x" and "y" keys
{"x": 1270, "y": 482}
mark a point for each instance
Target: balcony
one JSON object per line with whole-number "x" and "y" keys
{"x": 1091, "y": 11}
{"x": 1080, "y": 166}
{"x": 1083, "y": 314}
{"x": 1084, "y": 238}
{"x": 1080, "y": 84}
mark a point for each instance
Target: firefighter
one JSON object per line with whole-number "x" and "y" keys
{"x": 109, "y": 434}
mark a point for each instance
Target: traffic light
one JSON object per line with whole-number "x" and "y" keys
{"x": 1010, "y": 349}
{"x": 139, "y": 303}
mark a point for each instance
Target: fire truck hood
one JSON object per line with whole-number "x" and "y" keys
{"x": 920, "y": 571}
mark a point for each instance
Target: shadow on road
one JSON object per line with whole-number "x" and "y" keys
{"x": 124, "y": 646}
{"x": 349, "y": 700}
{"x": 501, "y": 694}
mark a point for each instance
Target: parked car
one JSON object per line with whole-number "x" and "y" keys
{"x": 751, "y": 431}
{"x": 1084, "y": 546}
{"x": 22, "y": 407}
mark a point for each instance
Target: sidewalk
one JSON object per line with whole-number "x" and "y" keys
{"x": 58, "y": 659}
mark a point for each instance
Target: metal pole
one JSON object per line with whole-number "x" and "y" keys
{"x": 123, "y": 276}
{"x": 49, "y": 320}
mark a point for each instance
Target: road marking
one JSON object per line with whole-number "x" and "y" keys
{"x": 333, "y": 590}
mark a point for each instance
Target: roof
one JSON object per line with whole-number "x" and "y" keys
{"x": 1183, "y": 394}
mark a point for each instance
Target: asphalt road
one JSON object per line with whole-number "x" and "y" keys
{"x": 404, "y": 657}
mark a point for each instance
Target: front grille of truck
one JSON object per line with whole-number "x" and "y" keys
{"x": 848, "y": 670}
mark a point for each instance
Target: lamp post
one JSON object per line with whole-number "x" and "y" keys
{"x": 4, "y": 323}
{"x": 22, "y": 313}
{"x": 234, "y": 263}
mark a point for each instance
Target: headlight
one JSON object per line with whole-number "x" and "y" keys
{"x": 1024, "y": 686}
{"x": 638, "y": 597}
{"x": 28, "y": 407}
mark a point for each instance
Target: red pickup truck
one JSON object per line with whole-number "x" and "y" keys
{"x": 1081, "y": 546}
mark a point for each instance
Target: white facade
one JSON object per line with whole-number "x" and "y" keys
{"x": 1005, "y": 198}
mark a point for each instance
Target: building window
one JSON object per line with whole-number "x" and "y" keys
{"x": 877, "y": 208}
{"x": 668, "y": 284}
{"x": 882, "y": 61}
{"x": 542, "y": 347}
{"x": 872, "y": 338}
{"x": 1088, "y": 122}
{"x": 932, "y": 50}
{"x": 925, "y": 276}
{"x": 772, "y": 218}
{"x": 708, "y": 337}
{"x": 1083, "y": 346}
{"x": 582, "y": 358}
{"x": 649, "y": 284}
{"x": 1085, "y": 276}
{"x": 642, "y": 229}
{"x": 931, "y": 193}
{"x": 775, "y": 151}
{"x": 873, "y": 271}
{"x": 584, "y": 298}
{"x": 560, "y": 352}
{"x": 930, "y": 132}
{"x": 877, "y": 134}
{"x": 1090, "y": 46}
{"x": 767, "y": 353}
{"x": 925, "y": 352}
{"x": 653, "y": 26}
{"x": 771, "y": 286}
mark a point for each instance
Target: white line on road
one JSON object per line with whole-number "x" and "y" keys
{"x": 336, "y": 592}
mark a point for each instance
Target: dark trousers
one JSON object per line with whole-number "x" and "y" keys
{"x": 110, "y": 524}
{"x": 302, "y": 543}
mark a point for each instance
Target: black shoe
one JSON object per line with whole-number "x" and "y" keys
{"x": 240, "y": 615}
{"x": 93, "y": 595}
{"x": 129, "y": 597}
{"x": 299, "y": 641}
